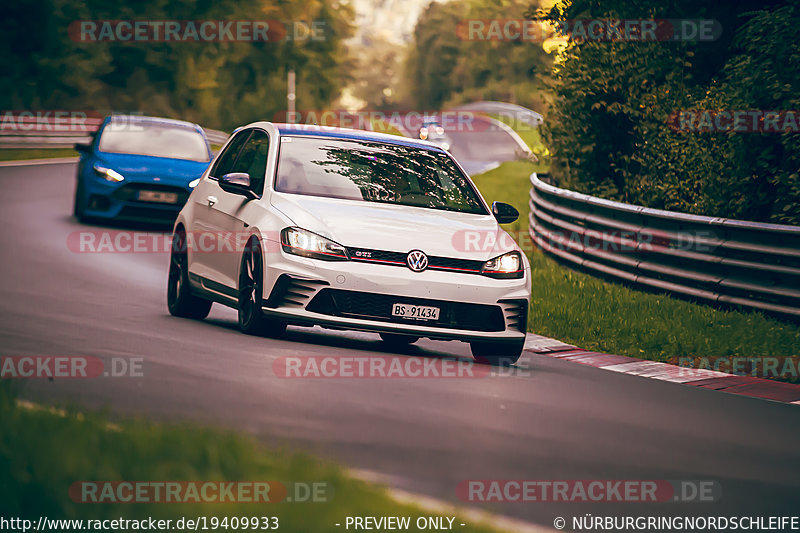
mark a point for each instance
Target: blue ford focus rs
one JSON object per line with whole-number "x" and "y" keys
{"x": 139, "y": 169}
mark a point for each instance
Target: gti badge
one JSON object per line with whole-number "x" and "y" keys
{"x": 417, "y": 260}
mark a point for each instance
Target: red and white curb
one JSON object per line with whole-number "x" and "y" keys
{"x": 708, "y": 379}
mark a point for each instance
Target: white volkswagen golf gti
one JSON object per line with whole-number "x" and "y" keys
{"x": 346, "y": 229}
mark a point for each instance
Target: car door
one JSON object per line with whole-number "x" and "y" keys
{"x": 209, "y": 224}
{"x": 227, "y": 212}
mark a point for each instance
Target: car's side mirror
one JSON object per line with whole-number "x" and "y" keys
{"x": 237, "y": 183}
{"x": 504, "y": 213}
{"x": 83, "y": 148}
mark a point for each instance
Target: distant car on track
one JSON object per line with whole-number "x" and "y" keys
{"x": 433, "y": 131}
{"x": 353, "y": 230}
{"x": 139, "y": 169}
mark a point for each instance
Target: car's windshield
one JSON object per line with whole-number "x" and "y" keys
{"x": 158, "y": 140}
{"x": 374, "y": 172}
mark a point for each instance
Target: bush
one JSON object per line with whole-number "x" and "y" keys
{"x": 609, "y": 129}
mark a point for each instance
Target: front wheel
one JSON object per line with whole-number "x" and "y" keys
{"x": 251, "y": 289}
{"x": 496, "y": 353}
{"x": 180, "y": 300}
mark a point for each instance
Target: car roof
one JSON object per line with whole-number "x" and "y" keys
{"x": 348, "y": 134}
{"x": 154, "y": 120}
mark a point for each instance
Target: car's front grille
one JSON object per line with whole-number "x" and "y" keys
{"x": 371, "y": 306}
{"x": 367, "y": 255}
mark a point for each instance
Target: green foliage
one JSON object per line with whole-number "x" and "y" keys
{"x": 609, "y": 132}
{"x": 377, "y": 67}
{"x": 217, "y": 84}
{"x": 444, "y": 67}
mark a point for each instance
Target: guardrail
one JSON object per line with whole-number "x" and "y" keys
{"x": 505, "y": 109}
{"x": 216, "y": 136}
{"x": 33, "y": 132}
{"x": 716, "y": 260}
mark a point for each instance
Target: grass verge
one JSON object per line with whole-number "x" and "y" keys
{"x": 44, "y": 451}
{"x": 595, "y": 314}
{"x": 18, "y": 154}
{"x": 527, "y": 133}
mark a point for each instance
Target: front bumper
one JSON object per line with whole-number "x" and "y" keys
{"x": 119, "y": 201}
{"x": 353, "y": 295}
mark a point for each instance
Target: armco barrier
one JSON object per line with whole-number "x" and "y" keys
{"x": 716, "y": 260}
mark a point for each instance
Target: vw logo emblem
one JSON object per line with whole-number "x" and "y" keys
{"x": 417, "y": 260}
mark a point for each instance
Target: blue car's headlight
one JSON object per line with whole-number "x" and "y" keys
{"x": 301, "y": 242}
{"x": 108, "y": 173}
{"x": 194, "y": 183}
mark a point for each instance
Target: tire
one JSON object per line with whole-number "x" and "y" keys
{"x": 496, "y": 353}
{"x": 180, "y": 300}
{"x": 398, "y": 339}
{"x": 251, "y": 289}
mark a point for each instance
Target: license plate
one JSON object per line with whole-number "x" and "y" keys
{"x": 417, "y": 312}
{"x": 158, "y": 196}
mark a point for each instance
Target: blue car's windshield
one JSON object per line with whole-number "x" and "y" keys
{"x": 157, "y": 140}
{"x": 374, "y": 172}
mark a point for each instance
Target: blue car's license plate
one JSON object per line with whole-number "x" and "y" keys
{"x": 158, "y": 196}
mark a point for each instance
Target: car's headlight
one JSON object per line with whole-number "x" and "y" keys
{"x": 194, "y": 183}
{"x": 506, "y": 266}
{"x": 301, "y": 242}
{"x": 108, "y": 173}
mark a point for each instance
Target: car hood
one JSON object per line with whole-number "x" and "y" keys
{"x": 396, "y": 228}
{"x": 138, "y": 168}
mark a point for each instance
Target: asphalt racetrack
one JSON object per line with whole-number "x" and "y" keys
{"x": 545, "y": 419}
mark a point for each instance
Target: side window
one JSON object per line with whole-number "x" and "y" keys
{"x": 253, "y": 160}
{"x": 226, "y": 160}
